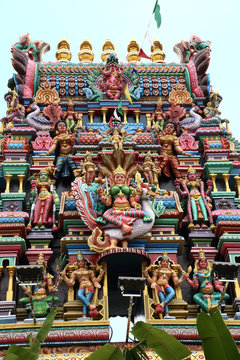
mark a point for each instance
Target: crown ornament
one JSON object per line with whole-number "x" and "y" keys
{"x": 119, "y": 170}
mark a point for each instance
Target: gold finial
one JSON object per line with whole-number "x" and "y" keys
{"x": 133, "y": 51}
{"x": 119, "y": 170}
{"x": 159, "y": 103}
{"x": 201, "y": 254}
{"x": 63, "y": 53}
{"x": 107, "y": 48}
{"x": 191, "y": 169}
{"x": 157, "y": 55}
{"x": 85, "y": 54}
{"x": 80, "y": 256}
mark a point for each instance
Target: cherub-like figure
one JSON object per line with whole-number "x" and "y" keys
{"x": 88, "y": 282}
{"x": 203, "y": 281}
{"x": 40, "y": 299}
{"x": 158, "y": 277}
{"x": 44, "y": 198}
{"x": 15, "y": 110}
{"x": 198, "y": 200}
{"x": 117, "y": 140}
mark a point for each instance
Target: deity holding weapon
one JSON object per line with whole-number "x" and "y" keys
{"x": 88, "y": 283}
{"x": 15, "y": 110}
{"x": 45, "y": 199}
{"x": 158, "y": 277}
{"x": 198, "y": 201}
{"x": 207, "y": 298}
{"x": 39, "y": 298}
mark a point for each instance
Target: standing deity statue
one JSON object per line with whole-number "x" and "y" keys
{"x": 88, "y": 282}
{"x": 169, "y": 146}
{"x": 147, "y": 168}
{"x": 45, "y": 199}
{"x": 158, "y": 118}
{"x": 198, "y": 200}
{"x": 88, "y": 169}
{"x": 159, "y": 279}
{"x": 207, "y": 298}
{"x": 65, "y": 140}
{"x": 40, "y": 299}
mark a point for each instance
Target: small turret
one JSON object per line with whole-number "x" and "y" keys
{"x": 63, "y": 53}
{"x": 107, "y": 48}
{"x": 133, "y": 51}
{"x": 85, "y": 54}
{"x": 157, "y": 55}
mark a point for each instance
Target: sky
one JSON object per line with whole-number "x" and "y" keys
{"x": 97, "y": 20}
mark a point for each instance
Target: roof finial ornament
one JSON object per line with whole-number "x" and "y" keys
{"x": 63, "y": 53}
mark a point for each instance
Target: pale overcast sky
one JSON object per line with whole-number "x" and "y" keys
{"x": 51, "y": 20}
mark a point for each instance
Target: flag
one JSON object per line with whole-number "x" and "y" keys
{"x": 126, "y": 91}
{"x": 148, "y": 37}
{"x": 157, "y": 15}
{"x": 120, "y": 107}
{"x": 115, "y": 115}
{"x": 143, "y": 55}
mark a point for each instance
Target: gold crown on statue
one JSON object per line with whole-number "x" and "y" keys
{"x": 191, "y": 169}
{"x": 201, "y": 254}
{"x": 164, "y": 255}
{"x": 40, "y": 259}
{"x": 119, "y": 170}
{"x": 80, "y": 256}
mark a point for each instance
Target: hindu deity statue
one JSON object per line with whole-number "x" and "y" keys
{"x": 147, "y": 168}
{"x": 113, "y": 79}
{"x": 158, "y": 277}
{"x": 211, "y": 111}
{"x": 45, "y": 199}
{"x": 88, "y": 282}
{"x": 169, "y": 146}
{"x": 207, "y": 298}
{"x": 128, "y": 211}
{"x": 158, "y": 118}
{"x": 88, "y": 168}
{"x": 71, "y": 117}
{"x": 15, "y": 110}
{"x": 40, "y": 300}
{"x": 117, "y": 139}
{"x": 198, "y": 200}
{"x": 65, "y": 140}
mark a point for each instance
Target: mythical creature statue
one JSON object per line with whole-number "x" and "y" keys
{"x": 65, "y": 141}
{"x": 207, "y": 298}
{"x": 169, "y": 146}
{"x": 88, "y": 283}
{"x": 38, "y": 122}
{"x": 193, "y": 122}
{"x": 40, "y": 300}
{"x": 15, "y": 110}
{"x": 45, "y": 199}
{"x": 187, "y": 49}
{"x": 198, "y": 201}
{"x": 34, "y": 49}
{"x": 159, "y": 279}
{"x": 128, "y": 211}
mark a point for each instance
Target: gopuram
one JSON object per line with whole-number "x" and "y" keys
{"x": 108, "y": 170}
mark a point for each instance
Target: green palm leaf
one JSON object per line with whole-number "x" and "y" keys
{"x": 107, "y": 352}
{"x": 217, "y": 341}
{"x": 165, "y": 345}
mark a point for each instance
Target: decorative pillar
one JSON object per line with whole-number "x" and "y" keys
{"x": 8, "y": 178}
{"x": 1, "y": 271}
{"x": 10, "y": 270}
{"x": 213, "y": 178}
{"x": 79, "y": 120}
{"x": 21, "y": 177}
{"x": 237, "y": 288}
{"x": 104, "y": 114}
{"x": 226, "y": 178}
{"x": 148, "y": 117}
{"x": 125, "y": 111}
{"x": 237, "y": 181}
{"x": 137, "y": 114}
{"x": 70, "y": 290}
{"x": 91, "y": 114}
